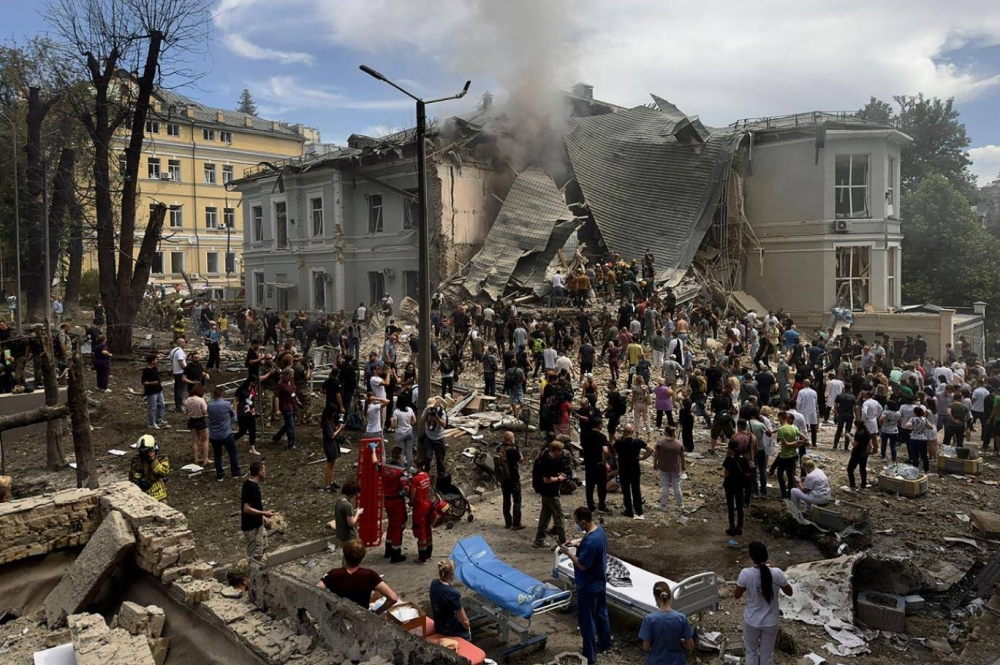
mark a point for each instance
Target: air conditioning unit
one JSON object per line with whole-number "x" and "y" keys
{"x": 165, "y": 175}
{"x": 388, "y": 272}
{"x": 842, "y": 226}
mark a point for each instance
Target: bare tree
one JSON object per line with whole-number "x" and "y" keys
{"x": 127, "y": 48}
{"x": 83, "y": 445}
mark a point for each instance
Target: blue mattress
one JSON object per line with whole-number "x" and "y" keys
{"x": 478, "y": 568}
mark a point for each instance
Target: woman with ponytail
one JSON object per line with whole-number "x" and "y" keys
{"x": 760, "y": 585}
{"x": 666, "y": 634}
{"x": 446, "y": 604}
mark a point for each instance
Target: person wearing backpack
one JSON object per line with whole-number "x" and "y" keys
{"x": 506, "y": 467}
{"x": 746, "y": 450}
{"x": 547, "y": 474}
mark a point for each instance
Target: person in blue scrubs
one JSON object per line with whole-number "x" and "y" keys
{"x": 590, "y": 578}
{"x": 666, "y": 634}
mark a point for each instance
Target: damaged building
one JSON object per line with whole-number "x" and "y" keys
{"x": 798, "y": 212}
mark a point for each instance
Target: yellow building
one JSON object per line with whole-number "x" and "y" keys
{"x": 191, "y": 152}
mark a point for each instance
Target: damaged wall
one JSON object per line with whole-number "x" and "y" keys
{"x": 343, "y": 626}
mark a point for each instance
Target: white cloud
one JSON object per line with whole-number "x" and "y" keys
{"x": 288, "y": 93}
{"x": 240, "y": 46}
{"x": 986, "y": 163}
{"x": 715, "y": 58}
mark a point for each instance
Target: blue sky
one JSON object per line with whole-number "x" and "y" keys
{"x": 714, "y": 58}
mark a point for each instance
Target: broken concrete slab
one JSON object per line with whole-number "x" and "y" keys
{"x": 108, "y": 547}
{"x": 986, "y": 523}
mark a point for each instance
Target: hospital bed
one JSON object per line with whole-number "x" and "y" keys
{"x": 504, "y": 595}
{"x": 630, "y": 588}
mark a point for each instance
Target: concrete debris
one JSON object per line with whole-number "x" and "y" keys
{"x": 108, "y": 547}
{"x": 96, "y": 644}
{"x": 822, "y": 591}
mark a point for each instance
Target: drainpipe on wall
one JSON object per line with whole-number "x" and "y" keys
{"x": 194, "y": 196}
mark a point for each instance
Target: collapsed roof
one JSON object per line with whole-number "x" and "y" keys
{"x": 532, "y": 227}
{"x": 652, "y": 178}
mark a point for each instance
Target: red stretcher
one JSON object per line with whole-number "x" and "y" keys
{"x": 370, "y": 525}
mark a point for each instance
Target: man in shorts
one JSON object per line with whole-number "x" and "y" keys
{"x": 253, "y": 517}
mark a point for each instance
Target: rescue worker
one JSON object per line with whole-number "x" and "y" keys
{"x": 179, "y": 324}
{"x": 393, "y": 476}
{"x": 420, "y": 504}
{"x": 148, "y": 469}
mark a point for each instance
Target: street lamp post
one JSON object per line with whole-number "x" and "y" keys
{"x": 424, "y": 237}
{"x": 17, "y": 222}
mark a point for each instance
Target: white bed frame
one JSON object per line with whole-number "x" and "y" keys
{"x": 691, "y": 596}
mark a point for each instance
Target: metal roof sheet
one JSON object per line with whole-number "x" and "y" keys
{"x": 533, "y": 223}
{"x": 646, "y": 189}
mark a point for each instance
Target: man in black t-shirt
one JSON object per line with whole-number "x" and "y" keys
{"x": 333, "y": 391}
{"x": 722, "y": 422}
{"x": 845, "y": 403}
{"x": 595, "y": 452}
{"x": 252, "y": 513}
{"x": 254, "y": 358}
{"x": 511, "y": 484}
{"x": 630, "y": 451}
{"x": 551, "y": 472}
{"x": 152, "y": 389}
{"x": 194, "y": 373}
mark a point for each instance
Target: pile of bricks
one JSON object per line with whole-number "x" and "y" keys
{"x": 96, "y": 644}
{"x": 43, "y": 524}
{"x": 147, "y": 622}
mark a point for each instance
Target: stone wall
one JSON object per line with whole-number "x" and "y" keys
{"x": 341, "y": 625}
{"x": 42, "y": 524}
{"x": 38, "y": 525}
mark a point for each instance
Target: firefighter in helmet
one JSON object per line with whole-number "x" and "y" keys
{"x": 149, "y": 468}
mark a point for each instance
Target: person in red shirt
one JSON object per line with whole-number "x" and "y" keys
{"x": 393, "y": 476}
{"x": 420, "y": 503}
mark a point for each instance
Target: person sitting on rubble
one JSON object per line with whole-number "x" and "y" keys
{"x": 814, "y": 488}
{"x": 6, "y": 488}
{"x": 352, "y": 582}
{"x": 148, "y": 468}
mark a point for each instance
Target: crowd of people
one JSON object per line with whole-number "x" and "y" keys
{"x": 759, "y": 386}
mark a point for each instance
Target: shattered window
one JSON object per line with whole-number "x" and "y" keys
{"x": 853, "y": 276}
{"x": 375, "y": 224}
{"x": 851, "y": 186}
{"x": 281, "y": 224}
{"x": 890, "y": 284}
{"x": 376, "y": 286}
{"x": 319, "y": 290}
{"x": 411, "y": 284}
{"x": 411, "y": 211}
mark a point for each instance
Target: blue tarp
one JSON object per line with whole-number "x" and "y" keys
{"x": 478, "y": 568}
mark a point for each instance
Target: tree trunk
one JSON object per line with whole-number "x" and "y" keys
{"x": 34, "y": 266}
{"x": 63, "y": 193}
{"x": 74, "y": 248}
{"x": 55, "y": 458}
{"x": 33, "y": 417}
{"x": 83, "y": 445}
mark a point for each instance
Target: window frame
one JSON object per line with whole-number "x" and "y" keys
{"x": 258, "y": 288}
{"x": 173, "y": 129}
{"x": 839, "y": 188}
{"x": 414, "y": 276}
{"x": 208, "y": 262}
{"x": 211, "y": 218}
{"x": 257, "y": 223}
{"x": 891, "y": 254}
{"x": 153, "y": 168}
{"x": 313, "y": 233}
{"x": 376, "y": 220}
{"x": 152, "y": 126}
{"x": 174, "y": 169}
{"x": 411, "y": 211}
{"x": 233, "y": 263}
{"x": 864, "y": 282}
{"x": 225, "y": 136}
{"x": 228, "y": 218}
{"x": 376, "y": 286}
{"x": 179, "y": 217}
{"x": 891, "y": 205}
{"x": 207, "y": 134}
{"x": 157, "y": 256}
{"x": 315, "y": 273}
{"x": 211, "y": 174}
{"x": 274, "y": 225}
{"x": 227, "y": 174}
{"x": 183, "y": 262}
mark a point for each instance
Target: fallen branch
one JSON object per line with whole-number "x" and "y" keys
{"x": 33, "y": 416}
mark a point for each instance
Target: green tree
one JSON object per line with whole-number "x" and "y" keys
{"x": 948, "y": 258}
{"x": 877, "y": 111}
{"x": 247, "y": 104}
{"x": 939, "y": 145}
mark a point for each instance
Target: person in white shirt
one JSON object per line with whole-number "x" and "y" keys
{"x": 834, "y": 387}
{"x": 557, "y": 289}
{"x": 403, "y": 420}
{"x": 564, "y": 363}
{"x": 979, "y": 397}
{"x": 549, "y": 356}
{"x": 178, "y": 361}
{"x": 760, "y": 584}
{"x": 360, "y": 313}
{"x": 870, "y": 410}
{"x": 373, "y": 416}
{"x": 814, "y": 488}
{"x": 806, "y": 403}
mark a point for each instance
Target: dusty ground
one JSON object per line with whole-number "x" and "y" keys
{"x": 903, "y": 528}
